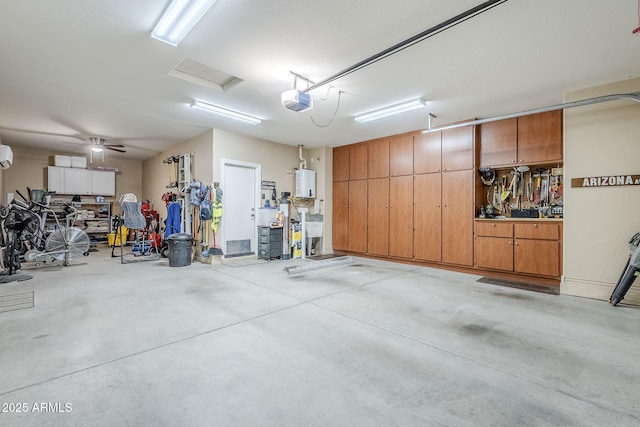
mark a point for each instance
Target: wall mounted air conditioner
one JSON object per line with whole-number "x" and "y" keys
{"x": 6, "y": 156}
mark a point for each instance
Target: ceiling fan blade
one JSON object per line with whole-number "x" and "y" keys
{"x": 110, "y": 147}
{"x": 114, "y": 145}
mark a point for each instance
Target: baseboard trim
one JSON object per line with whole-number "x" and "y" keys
{"x": 597, "y": 290}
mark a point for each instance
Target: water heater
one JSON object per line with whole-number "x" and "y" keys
{"x": 305, "y": 183}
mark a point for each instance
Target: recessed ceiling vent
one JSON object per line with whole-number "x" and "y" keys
{"x": 204, "y": 75}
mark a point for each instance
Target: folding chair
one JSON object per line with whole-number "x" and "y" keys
{"x": 133, "y": 219}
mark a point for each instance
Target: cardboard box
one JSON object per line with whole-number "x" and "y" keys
{"x": 62, "y": 161}
{"x": 78, "y": 162}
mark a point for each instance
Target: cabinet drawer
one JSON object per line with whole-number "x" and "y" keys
{"x": 263, "y": 238}
{"x": 494, "y": 229}
{"x": 536, "y": 231}
{"x": 275, "y": 250}
{"x": 264, "y": 231}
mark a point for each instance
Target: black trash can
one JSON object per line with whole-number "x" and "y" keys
{"x": 180, "y": 245}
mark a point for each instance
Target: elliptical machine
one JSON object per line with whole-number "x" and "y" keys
{"x": 629, "y": 273}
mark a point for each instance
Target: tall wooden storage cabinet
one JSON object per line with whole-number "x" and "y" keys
{"x": 401, "y": 216}
{"x": 378, "y": 217}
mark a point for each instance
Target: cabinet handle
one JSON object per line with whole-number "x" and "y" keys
{"x": 493, "y": 225}
{"x": 535, "y": 225}
{"x": 510, "y": 242}
{"x": 438, "y": 205}
{"x": 514, "y": 161}
{"x": 521, "y": 160}
{"x": 386, "y": 206}
{"x": 445, "y": 205}
{"x": 516, "y": 243}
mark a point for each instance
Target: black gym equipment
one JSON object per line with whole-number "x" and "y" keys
{"x": 629, "y": 273}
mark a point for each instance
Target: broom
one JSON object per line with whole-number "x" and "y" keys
{"x": 215, "y": 249}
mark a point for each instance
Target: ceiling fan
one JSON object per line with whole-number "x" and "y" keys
{"x": 98, "y": 144}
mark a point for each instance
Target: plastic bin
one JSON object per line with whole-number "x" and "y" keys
{"x": 180, "y": 245}
{"x": 114, "y": 240}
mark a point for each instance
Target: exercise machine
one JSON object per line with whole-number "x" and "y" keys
{"x": 629, "y": 273}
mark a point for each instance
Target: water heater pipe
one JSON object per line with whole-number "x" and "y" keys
{"x": 303, "y": 161}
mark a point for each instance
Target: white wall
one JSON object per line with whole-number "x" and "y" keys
{"x": 156, "y": 175}
{"x": 29, "y": 169}
{"x": 600, "y": 140}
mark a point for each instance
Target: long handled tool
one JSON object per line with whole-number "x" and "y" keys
{"x": 629, "y": 273}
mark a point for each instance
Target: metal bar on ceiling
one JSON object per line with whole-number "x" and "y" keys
{"x": 483, "y": 7}
{"x": 635, "y": 96}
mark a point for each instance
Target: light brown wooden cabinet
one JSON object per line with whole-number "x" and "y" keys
{"x": 350, "y": 215}
{"x": 457, "y": 217}
{"x": 401, "y": 155}
{"x": 378, "y": 217}
{"x": 444, "y": 151}
{"x": 540, "y": 137}
{"x": 340, "y": 215}
{"x": 358, "y": 216}
{"x": 378, "y": 158}
{"x": 427, "y": 153}
{"x": 358, "y": 161}
{"x": 341, "y": 164}
{"x": 390, "y": 217}
{"x": 427, "y": 194}
{"x": 443, "y": 210}
{"x": 520, "y": 247}
{"x": 531, "y": 139}
{"x": 401, "y": 216}
{"x": 498, "y": 142}
{"x": 457, "y": 148}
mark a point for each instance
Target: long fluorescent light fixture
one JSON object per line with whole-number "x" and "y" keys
{"x": 199, "y": 105}
{"x": 180, "y": 18}
{"x": 391, "y": 110}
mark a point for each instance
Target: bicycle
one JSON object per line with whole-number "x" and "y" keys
{"x": 25, "y": 235}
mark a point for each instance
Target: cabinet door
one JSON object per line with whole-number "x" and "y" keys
{"x": 499, "y": 142}
{"x": 55, "y": 179}
{"x": 379, "y": 158}
{"x": 457, "y": 217}
{"x": 103, "y": 183}
{"x": 539, "y": 257}
{"x": 378, "y": 217}
{"x": 340, "y": 227}
{"x": 341, "y": 164}
{"x": 401, "y": 216}
{"x": 401, "y": 155}
{"x": 427, "y": 150}
{"x": 427, "y": 217}
{"x": 358, "y": 161}
{"x": 494, "y": 253}
{"x": 358, "y": 216}
{"x": 540, "y": 137}
{"x": 77, "y": 181}
{"x": 457, "y": 148}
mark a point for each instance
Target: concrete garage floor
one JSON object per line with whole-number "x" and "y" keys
{"x": 365, "y": 344}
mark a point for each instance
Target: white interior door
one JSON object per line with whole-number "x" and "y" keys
{"x": 241, "y": 189}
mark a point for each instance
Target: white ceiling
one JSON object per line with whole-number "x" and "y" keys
{"x": 90, "y": 67}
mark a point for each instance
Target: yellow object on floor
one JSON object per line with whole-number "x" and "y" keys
{"x": 115, "y": 240}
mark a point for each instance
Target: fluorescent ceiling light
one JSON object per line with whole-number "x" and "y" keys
{"x": 180, "y": 18}
{"x": 199, "y": 105}
{"x": 391, "y": 111}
